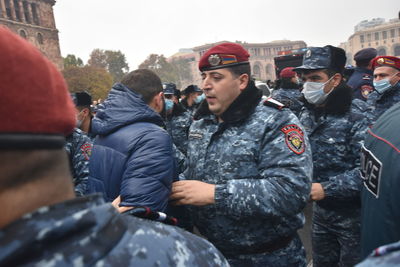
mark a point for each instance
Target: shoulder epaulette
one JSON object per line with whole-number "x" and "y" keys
{"x": 270, "y": 102}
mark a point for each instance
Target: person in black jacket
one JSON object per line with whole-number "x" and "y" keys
{"x": 132, "y": 155}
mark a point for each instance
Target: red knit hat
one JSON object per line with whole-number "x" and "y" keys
{"x": 287, "y": 73}
{"x": 388, "y": 61}
{"x": 224, "y": 55}
{"x": 35, "y": 106}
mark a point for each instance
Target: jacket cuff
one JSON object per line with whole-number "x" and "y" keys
{"x": 221, "y": 195}
{"x": 329, "y": 190}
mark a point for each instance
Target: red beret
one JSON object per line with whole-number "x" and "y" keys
{"x": 388, "y": 61}
{"x": 287, "y": 73}
{"x": 224, "y": 56}
{"x": 34, "y": 97}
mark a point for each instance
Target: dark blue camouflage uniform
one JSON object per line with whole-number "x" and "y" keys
{"x": 262, "y": 185}
{"x": 361, "y": 81}
{"x": 384, "y": 256}
{"x": 88, "y": 232}
{"x": 79, "y": 148}
{"x": 382, "y": 102}
{"x": 336, "y": 142}
{"x": 290, "y": 98}
{"x": 178, "y": 127}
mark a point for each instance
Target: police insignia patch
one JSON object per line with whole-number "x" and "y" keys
{"x": 366, "y": 90}
{"x": 86, "y": 150}
{"x": 294, "y": 138}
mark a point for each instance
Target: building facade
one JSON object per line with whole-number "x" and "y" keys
{"x": 377, "y": 33}
{"x": 34, "y": 21}
{"x": 261, "y": 58}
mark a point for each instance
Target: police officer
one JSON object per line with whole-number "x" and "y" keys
{"x": 249, "y": 167}
{"x": 336, "y": 127}
{"x": 193, "y": 95}
{"x": 79, "y": 148}
{"x": 178, "y": 119}
{"x": 41, "y": 222}
{"x": 288, "y": 92}
{"x": 83, "y": 103}
{"x": 380, "y": 171}
{"x": 361, "y": 79}
{"x": 386, "y": 83}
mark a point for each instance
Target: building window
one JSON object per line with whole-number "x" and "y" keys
{"x": 17, "y": 10}
{"x": 8, "y": 9}
{"x": 376, "y": 36}
{"x": 384, "y": 35}
{"x": 381, "y": 51}
{"x": 40, "y": 38}
{"x": 22, "y": 33}
{"x": 35, "y": 14}
{"x": 368, "y": 37}
{"x": 26, "y": 12}
{"x": 397, "y": 51}
{"x": 361, "y": 38}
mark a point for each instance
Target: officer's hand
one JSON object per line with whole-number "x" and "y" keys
{"x": 191, "y": 192}
{"x": 317, "y": 192}
{"x": 116, "y": 203}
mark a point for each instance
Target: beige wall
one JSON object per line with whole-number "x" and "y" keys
{"x": 385, "y": 38}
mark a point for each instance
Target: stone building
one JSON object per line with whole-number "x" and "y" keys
{"x": 376, "y": 33}
{"x": 261, "y": 57}
{"x": 34, "y": 21}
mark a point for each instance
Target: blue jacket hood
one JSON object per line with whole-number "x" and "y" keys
{"x": 122, "y": 107}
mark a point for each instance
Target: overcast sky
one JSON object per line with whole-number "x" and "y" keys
{"x": 141, "y": 27}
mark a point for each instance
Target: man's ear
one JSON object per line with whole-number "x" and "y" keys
{"x": 157, "y": 103}
{"x": 337, "y": 78}
{"x": 243, "y": 81}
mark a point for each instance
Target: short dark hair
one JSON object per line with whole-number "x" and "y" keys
{"x": 363, "y": 63}
{"x": 240, "y": 69}
{"x": 144, "y": 82}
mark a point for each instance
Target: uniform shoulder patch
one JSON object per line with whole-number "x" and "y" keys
{"x": 367, "y": 77}
{"x": 366, "y": 90}
{"x": 86, "y": 150}
{"x": 270, "y": 102}
{"x": 294, "y": 138}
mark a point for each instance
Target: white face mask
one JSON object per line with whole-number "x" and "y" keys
{"x": 314, "y": 92}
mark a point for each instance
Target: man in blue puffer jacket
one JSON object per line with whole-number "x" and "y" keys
{"x": 132, "y": 154}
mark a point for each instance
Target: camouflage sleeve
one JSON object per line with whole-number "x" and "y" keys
{"x": 180, "y": 159}
{"x": 285, "y": 170}
{"x": 348, "y": 184}
{"x": 80, "y": 154}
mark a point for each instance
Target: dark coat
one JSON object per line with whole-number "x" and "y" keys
{"x": 132, "y": 154}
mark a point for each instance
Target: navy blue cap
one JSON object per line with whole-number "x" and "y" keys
{"x": 192, "y": 89}
{"x": 365, "y": 54}
{"x": 81, "y": 99}
{"x": 169, "y": 88}
{"x": 327, "y": 57}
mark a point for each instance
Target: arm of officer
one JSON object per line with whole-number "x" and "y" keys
{"x": 348, "y": 184}
{"x": 80, "y": 162}
{"x": 282, "y": 187}
{"x": 149, "y": 172}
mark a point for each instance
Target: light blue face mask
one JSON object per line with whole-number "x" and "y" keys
{"x": 169, "y": 104}
{"x": 199, "y": 98}
{"x": 314, "y": 92}
{"x": 384, "y": 84}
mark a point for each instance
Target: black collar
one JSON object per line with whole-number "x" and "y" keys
{"x": 240, "y": 109}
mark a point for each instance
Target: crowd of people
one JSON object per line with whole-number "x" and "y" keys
{"x": 216, "y": 175}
